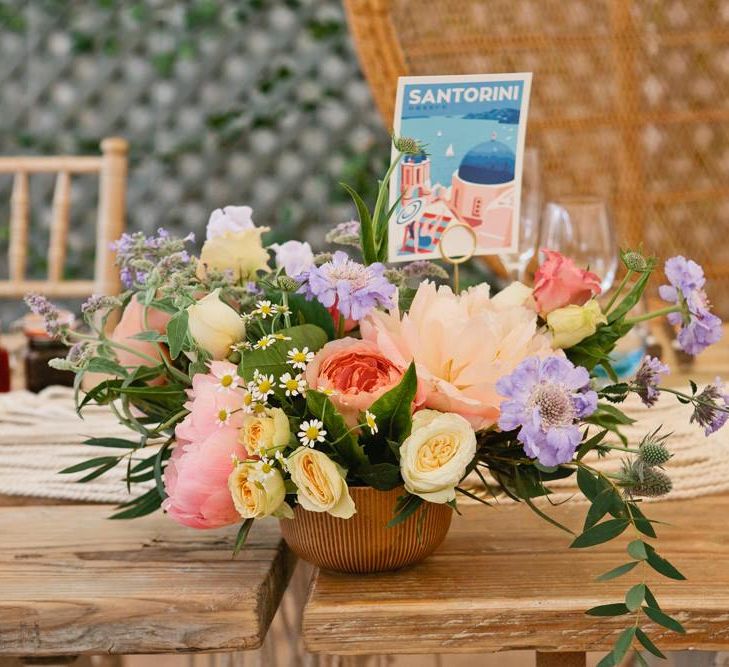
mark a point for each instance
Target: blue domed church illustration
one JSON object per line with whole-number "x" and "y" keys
{"x": 481, "y": 194}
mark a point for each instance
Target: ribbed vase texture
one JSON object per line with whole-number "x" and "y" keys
{"x": 364, "y": 543}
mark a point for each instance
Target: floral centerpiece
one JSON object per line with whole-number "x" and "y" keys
{"x": 273, "y": 381}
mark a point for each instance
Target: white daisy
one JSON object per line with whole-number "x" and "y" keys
{"x": 311, "y": 432}
{"x": 227, "y": 380}
{"x": 293, "y": 385}
{"x": 299, "y": 358}
{"x": 265, "y": 342}
{"x": 249, "y": 399}
{"x": 281, "y": 459}
{"x": 264, "y": 309}
{"x": 371, "y": 422}
{"x": 223, "y": 417}
{"x": 263, "y": 386}
{"x": 281, "y": 309}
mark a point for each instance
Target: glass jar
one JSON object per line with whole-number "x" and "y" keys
{"x": 38, "y": 374}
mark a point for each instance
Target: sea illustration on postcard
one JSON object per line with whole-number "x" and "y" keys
{"x": 472, "y": 130}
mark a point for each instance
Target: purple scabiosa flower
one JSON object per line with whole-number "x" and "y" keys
{"x": 345, "y": 233}
{"x": 647, "y": 378}
{"x": 545, "y": 400}
{"x": 712, "y": 412}
{"x": 355, "y": 289}
{"x": 699, "y": 326}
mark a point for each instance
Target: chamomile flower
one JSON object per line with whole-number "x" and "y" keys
{"x": 278, "y": 455}
{"x": 371, "y": 422}
{"x": 242, "y": 346}
{"x": 263, "y": 386}
{"x": 227, "y": 380}
{"x": 265, "y": 342}
{"x": 249, "y": 399}
{"x": 223, "y": 417}
{"x": 264, "y": 309}
{"x": 299, "y": 358}
{"x": 293, "y": 385}
{"x": 281, "y": 309}
{"x": 311, "y": 432}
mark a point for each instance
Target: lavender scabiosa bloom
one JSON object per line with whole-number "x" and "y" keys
{"x": 345, "y": 233}
{"x": 353, "y": 288}
{"x": 545, "y": 400}
{"x": 711, "y": 408}
{"x": 647, "y": 378}
{"x": 699, "y": 326}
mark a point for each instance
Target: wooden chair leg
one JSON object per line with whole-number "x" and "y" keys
{"x": 573, "y": 659}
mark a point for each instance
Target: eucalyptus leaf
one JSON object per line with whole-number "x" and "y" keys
{"x": 618, "y": 571}
{"x": 649, "y": 646}
{"x": 635, "y": 596}
{"x": 657, "y": 616}
{"x": 614, "y": 609}
{"x": 602, "y": 532}
{"x": 623, "y": 642}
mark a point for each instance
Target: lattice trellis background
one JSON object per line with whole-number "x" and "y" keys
{"x": 253, "y": 101}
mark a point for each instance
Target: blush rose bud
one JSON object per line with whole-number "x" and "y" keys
{"x": 560, "y": 282}
{"x": 214, "y": 325}
{"x": 241, "y": 253}
{"x": 572, "y": 324}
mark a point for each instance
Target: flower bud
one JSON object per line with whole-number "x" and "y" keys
{"x": 214, "y": 325}
{"x": 654, "y": 454}
{"x": 634, "y": 261}
{"x": 572, "y": 324}
{"x": 655, "y": 483}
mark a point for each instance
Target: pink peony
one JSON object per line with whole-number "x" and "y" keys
{"x": 560, "y": 282}
{"x": 196, "y": 480}
{"x": 131, "y": 323}
{"x": 356, "y": 371}
{"x": 208, "y": 398}
{"x": 461, "y": 345}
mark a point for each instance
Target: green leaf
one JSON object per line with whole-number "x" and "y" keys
{"x": 177, "y": 333}
{"x": 381, "y": 476}
{"x": 649, "y": 646}
{"x": 242, "y": 536}
{"x": 140, "y": 506}
{"x": 405, "y": 507}
{"x": 637, "y": 549}
{"x": 602, "y": 532}
{"x": 657, "y": 616}
{"x": 587, "y": 482}
{"x": 641, "y": 660}
{"x": 344, "y": 443}
{"x": 162, "y": 454}
{"x": 662, "y": 566}
{"x": 393, "y": 410}
{"x": 90, "y": 463}
{"x": 607, "y": 660}
{"x": 150, "y": 337}
{"x": 635, "y": 596}
{"x": 623, "y": 642}
{"x": 618, "y": 571}
{"x": 106, "y": 366}
{"x": 119, "y": 443}
{"x": 273, "y": 361}
{"x": 601, "y": 505}
{"x": 650, "y": 599}
{"x": 633, "y": 296}
{"x": 309, "y": 312}
{"x": 641, "y": 522}
{"x": 614, "y": 609}
{"x": 369, "y": 252}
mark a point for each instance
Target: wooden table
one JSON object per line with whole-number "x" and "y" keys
{"x": 72, "y": 582}
{"x": 505, "y": 580}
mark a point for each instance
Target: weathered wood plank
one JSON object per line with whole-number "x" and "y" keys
{"x": 505, "y": 580}
{"x": 73, "y": 582}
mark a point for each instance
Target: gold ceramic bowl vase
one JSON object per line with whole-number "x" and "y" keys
{"x": 364, "y": 543}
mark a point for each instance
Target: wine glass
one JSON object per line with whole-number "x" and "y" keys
{"x": 516, "y": 263}
{"x": 580, "y": 228}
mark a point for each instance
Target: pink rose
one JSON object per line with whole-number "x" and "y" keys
{"x": 356, "y": 371}
{"x": 131, "y": 323}
{"x": 211, "y": 395}
{"x": 196, "y": 480}
{"x": 560, "y": 282}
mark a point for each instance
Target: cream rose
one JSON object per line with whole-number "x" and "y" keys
{"x": 433, "y": 459}
{"x": 260, "y": 433}
{"x": 258, "y": 490}
{"x": 214, "y": 325}
{"x": 240, "y": 252}
{"x": 572, "y": 324}
{"x": 320, "y": 482}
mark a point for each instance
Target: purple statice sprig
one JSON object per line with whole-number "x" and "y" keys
{"x": 52, "y": 321}
{"x": 647, "y": 379}
{"x": 699, "y": 327}
{"x": 545, "y": 400}
{"x": 353, "y": 288}
{"x": 143, "y": 259}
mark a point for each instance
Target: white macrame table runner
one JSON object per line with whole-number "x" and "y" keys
{"x": 41, "y": 434}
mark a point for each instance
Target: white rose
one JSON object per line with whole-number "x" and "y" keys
{"x": 294, "y": 257}
{"x": 433, "y": 459}
{"x": 241, "y": 253}
{"x": 516, "y": 294}
{"x": 260, "y": 433}
{"x": 214, "y": 325}
{"x": 258, "y": 490}
{"x": 572, "y": 324}
{"x": 229, "y": 219}
{"x": 320, "y": 482}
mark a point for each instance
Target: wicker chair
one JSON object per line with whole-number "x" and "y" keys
{"x": 628, "y": 101}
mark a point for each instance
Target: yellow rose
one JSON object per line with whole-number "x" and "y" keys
{"x": 572, "y": 324}
{"x": 214, "y": 325}
{"x": 260, "y": 433}
{"x": 258, "y": 490}
{"x": 320, "y": 482}
{"x": 240, "y": 252}
{"x": 433, "y": 459}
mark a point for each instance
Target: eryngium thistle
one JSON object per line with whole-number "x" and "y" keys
{"x": 634, "y": 261}
{"x": 408, "y": 145}
{"x": 655, "y": 483}
{"x": 288, "y": 284}
{"x": 654, "y": 453}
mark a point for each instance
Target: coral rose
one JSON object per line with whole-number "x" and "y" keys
{"x": 356, "y": 371}
{"x": 560, "y": 282}
{"x": 461, "y": 344}
{"x": 196, "y": 480}
{"x": 132, "y": 322}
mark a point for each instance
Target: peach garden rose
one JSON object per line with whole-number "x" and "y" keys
{"x": 559, "y": 282}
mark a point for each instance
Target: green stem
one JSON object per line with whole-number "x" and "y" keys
{"x": 655, "y": 313}
{"x": 618, "y": 291}
{"x": 340, "y": 326}
{"x": 694, "y": 399}
{"x": 285, "y": 303}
